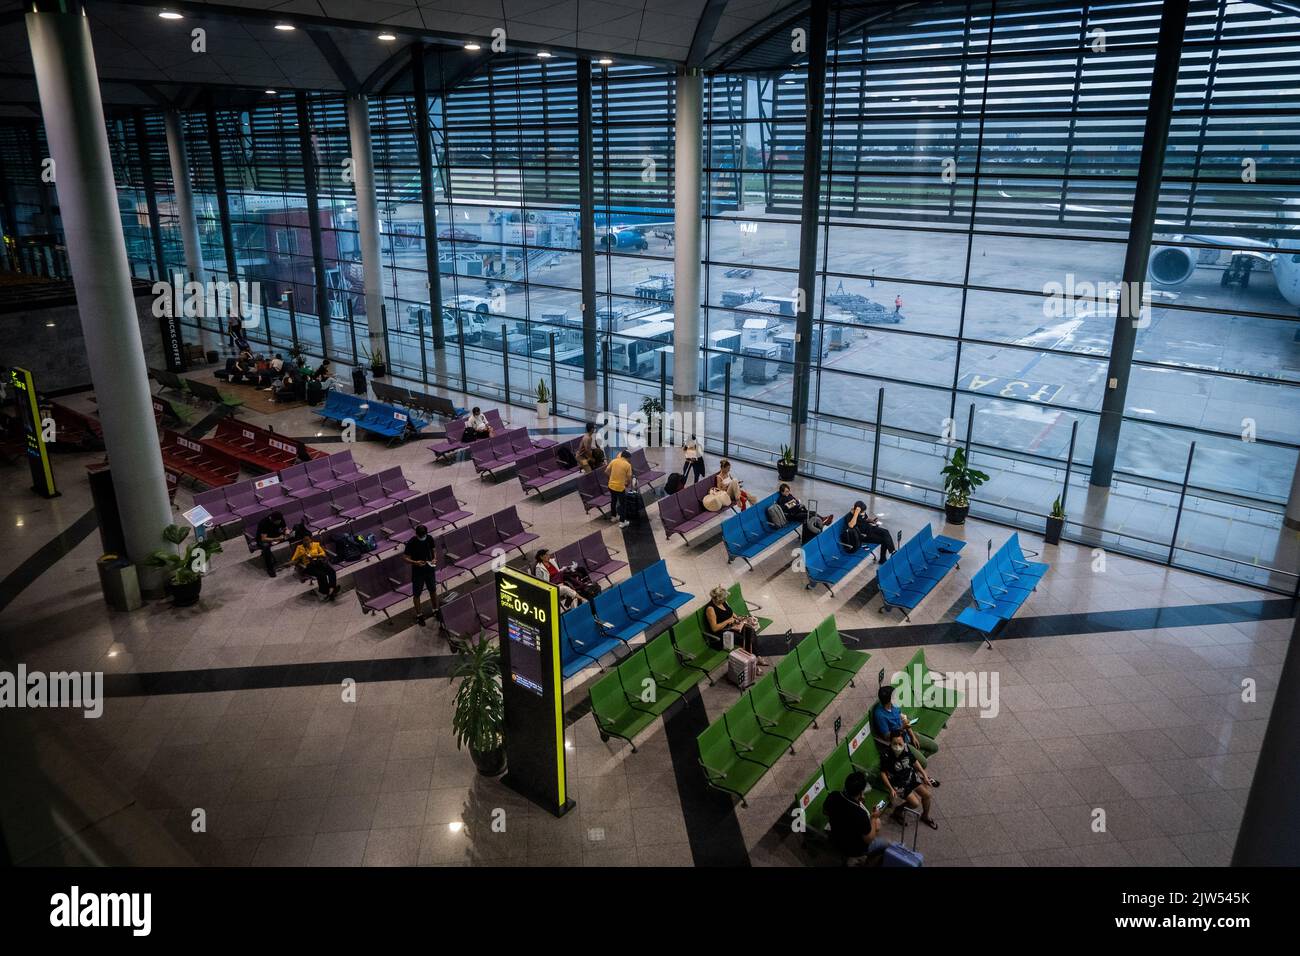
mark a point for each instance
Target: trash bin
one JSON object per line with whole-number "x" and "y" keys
{"x": 359, "y": 381}
{"x": 119, "y": 582}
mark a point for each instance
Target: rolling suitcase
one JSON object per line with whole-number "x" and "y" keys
{"x": 899, "y": 855}
{"x": 674, "y": 483}
{"x": 742, "y": 668}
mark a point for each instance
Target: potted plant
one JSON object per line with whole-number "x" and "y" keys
{"x": 1055, "y": 523}
{"x": 653, "y": 411}
{"x": 377, "y": 367}
{"x": 543, "y": 400}
{"x": 479, "y": 708}
{"x": 185, "y": 566}
{"x": 959, "y": 480}
{"x": 786, "y": 466}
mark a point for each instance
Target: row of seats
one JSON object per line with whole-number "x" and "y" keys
{"x": 237, "y": 501}
{"x": 193, "y": 389}
{"x": 189, "y": 459}
{"x": 394, "y": 422}
{"x": 684, "y": 511}
{"x": 861, "y": 750}
{"x": 748, "y": 533}
{"x": 543, "y": 467}
{"x": 503, "y": 450}
{"x": 326, "y": 510}
{"x": 590, "y": 631}
{"x": 453, "y": 443}
{"x": 475, "y": 612}
{"x": 593, "y": 487}
{"x": 1001, "y": 587}
{"x": 420, "y": 401}
{"x": 258, "y": 449}
{"x": 915, "y": 568}
{"x": 675, "y": 661}
{"x": 456, "y": 552}
{"x": 825, "y": 559}
{"x": 740, "y": 747}
{"x": 76, "y": 429}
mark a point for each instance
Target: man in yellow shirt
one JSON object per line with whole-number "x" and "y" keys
{"x": 311, "y": 557}
{"x": 619, "y": 471}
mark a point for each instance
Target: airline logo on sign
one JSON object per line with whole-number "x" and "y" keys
{"x": 281, "y": 445}
{"x": 860, "y": 738}
{"x": 251, "y": 436}
{"x": 186, "y": 443}
{"x": 399, "y": 416}
{"x": 266, "y": 482}
{"x": 806, "y": 800}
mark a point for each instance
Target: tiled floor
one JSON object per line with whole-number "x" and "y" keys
{"x": 1104, "y": 714}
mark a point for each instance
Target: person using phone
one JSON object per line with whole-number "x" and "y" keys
{"x": 420, "y": 555}
{"x": 855, "y": 829}
{"x": 906, "y": 781}
{"x": 886, "y": 717}
{"x": 865, "y": 528}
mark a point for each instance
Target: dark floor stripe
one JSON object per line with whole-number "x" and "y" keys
{"x": 45, "y": 558}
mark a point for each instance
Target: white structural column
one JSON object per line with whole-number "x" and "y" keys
{"x": 1292, "y": 517}
{"x": 186, "y": 220}
{"x": 92, "y": 225}
{"x": 363, "y": 173}
{"x": 686, "y": 241}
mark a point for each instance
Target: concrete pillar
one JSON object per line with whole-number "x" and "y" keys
{"x": 1292, "y": 517}
{"x": 587, "y": 221}
{"x": 686, "y": 240}
{"x": 186, "y": 220}
{"x": 68, "y": 84}
{"x": 363, "y": 180}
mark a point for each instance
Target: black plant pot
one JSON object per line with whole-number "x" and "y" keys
{"x": 378, "y": 370}
{"x": 1054, "y": 528}
{"x": 787, "y": 470}
{"x": 490, "y": 763}
{"x": 184, "y": 595}
{"x": 956, "y": 514}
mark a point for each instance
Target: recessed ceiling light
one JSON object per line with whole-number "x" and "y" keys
{"x": 171, "y": 15}
{"x": 473, "y": 47}
{"x": 387, "y": 37}
{"x": 270, "y": 92}
{"x": 542, "y": 54}
{"x": 605, "y": 61}
{"x": 285, "y": 26}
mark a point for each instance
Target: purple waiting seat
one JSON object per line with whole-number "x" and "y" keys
{"x": 417, "y": 512}
{"x": 485, "y": 606}
{"x": 244, "y": 503}
{"x": 459, "y": 619}
{"x": 375, "y": 590}
{"x": 344, "y": 468}
{"x": 461, "y": 552}
{"x": 346, "y": 500}
{"x": 511, "y": 529}
{"x": 214, "y": 499}
{"x": 321, "y": 515}
{"x": 646, "y": 473}
{"x": 487, "y": 540}
{"x": 598, "y": 558}
{"x": 322, "y": 475}
{"x": 272, "y": 496}
{"x": 447, "y": 506}
{"x": 448, "y": 448}
{"x": 297, "y": 485}
{"x": 396, "y": 485}
{"x": 593, "y": 489}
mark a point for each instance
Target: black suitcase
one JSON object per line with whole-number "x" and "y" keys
{"x": 633, "y": 506}
{"x": 811, "y": 528}
{"x": 674, "y": 483}
{"x": 359, "y": 381}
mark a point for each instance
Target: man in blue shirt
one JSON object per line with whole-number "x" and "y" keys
{"x": 886, "y": 718}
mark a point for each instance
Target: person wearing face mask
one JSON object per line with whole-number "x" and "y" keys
{"x": 886, "y": 717}
{"x": 906, "y": 781}
{"x": 419, "y": 554}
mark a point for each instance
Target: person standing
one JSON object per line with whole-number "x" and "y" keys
{"x": 619, "y": 471}
{"x": 693, "y": 457}
{"x": 419, "y": 554}
{"x": 898, "y": 303}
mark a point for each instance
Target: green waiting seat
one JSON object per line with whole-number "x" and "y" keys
{"x": 693, "y": 650}
{"x": 795, "y": 691}
{"x": 941, "y": 699}
{"x": 773, "y": 715}
{"x": 831, "y": 645}
{"x": 614, "y": 713}
{"x": 750, "y": 739}
{"x": 737, "y": 602}
{"x": 724, "y": 768}
{"x": 829, "y": 777}
{"x": 667, "y": 669}
{"x": 643, "y": 691}
{"x": 820, "y": 674}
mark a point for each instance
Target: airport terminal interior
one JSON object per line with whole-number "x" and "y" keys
{"x": 359, "y": 511}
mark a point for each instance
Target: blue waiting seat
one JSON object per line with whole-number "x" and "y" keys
{"x": 638, "y": 603}
{"x": 614, "y": 618}
{"x": 663, "y": 588}
{"x": 1001, "y": 587}
{"x": 581, "y": 643}
{"x": 914, "y": 569}
{"x": 748, "y": 534}
{"x": 826, "y": 561}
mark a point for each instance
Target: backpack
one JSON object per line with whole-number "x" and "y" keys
{"x": 565, "y": 457}
{"x": 346, "y": 547}
{"x": 580, "y": 581}
{"x": 776, "y": 516}
{"x": 674, "y": 483}
{"x": 597, "y": 457}
{"x": 366, "y": 542}
{"x": 851, "y": 539}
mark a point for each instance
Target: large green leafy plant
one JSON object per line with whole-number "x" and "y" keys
{"x": 479, "y": 709}
{"x": 959, "y": 479}
{"x": 184, "y": 565}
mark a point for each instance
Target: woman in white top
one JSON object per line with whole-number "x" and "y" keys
{"x": 544, "y": 569}
{"x": 476, "y": 426}
{"x": 728, "y": 482}
{"x": 693, "y": 457}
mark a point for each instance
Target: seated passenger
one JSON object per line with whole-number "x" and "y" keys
{"x": 727, "y": 482}
{"x": 271, "y": 531}
{"x": 590, "y": 455}
{"x": 545, "y": 569}
{"x": 905, "y": 780}
{"x": 855, "y": 828}
{"x": 865, "y": 528}
{"x": 794, "y": 509}
{"x": 476, "y": 426}
{"x": 886, "y": 718}
{"x": 311, "y": 557}
{"x": 720, "y": 618}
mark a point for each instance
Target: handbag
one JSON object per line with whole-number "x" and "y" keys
{"x": 716, "y": 500}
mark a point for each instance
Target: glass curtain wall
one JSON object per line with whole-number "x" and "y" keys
{"x": 33, "y": 233}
